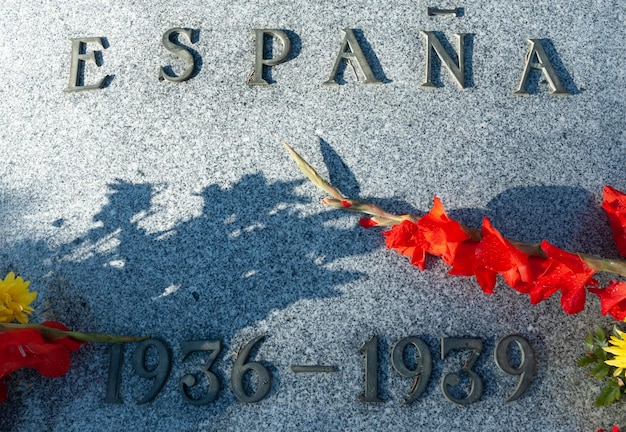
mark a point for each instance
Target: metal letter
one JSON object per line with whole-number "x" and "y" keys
{"x": 354, "y": 53}
{"x": 457, "y": 71}
{"x": 259, "y": 61}
{"x": 432, "y": 11}
{"x": 79, "y": 57}
{"x": 179, "y": 51}
{"x": 544, "y": 65}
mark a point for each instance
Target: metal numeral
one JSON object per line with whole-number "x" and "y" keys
{"x": 423, "y": 368}
{"x": 160, "y": 372}
{"x": 451, "y": 379}
{"x": 527, "y": 367}
{"x": 189, "y": 380}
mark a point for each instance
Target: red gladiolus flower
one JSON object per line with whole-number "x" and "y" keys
{"x": 546, "y": 279}
{"x": 465, "y": 264}
{"x": 439, "y": 235}
{"x": 613, "y": 299}
{"x": 434, "y": 233}
{"x": 495, "y": 254}
{"x": 403, "y": 238}
{"x": 27, "y": 348}
{"x": 566, "y": 272}
{"x": 615, "y": 206}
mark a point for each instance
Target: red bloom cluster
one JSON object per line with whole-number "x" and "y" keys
{"x": 27, "y": 348}
{"x": 490, "y": 254}
{"x": 613, "y": 297}
{"x": 435, "y": 233}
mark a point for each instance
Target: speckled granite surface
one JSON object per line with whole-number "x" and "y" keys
{"x": 171, "y": 209}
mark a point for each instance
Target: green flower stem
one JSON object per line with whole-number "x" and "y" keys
{"x": 604, "y": 264}
{"x": 381, "y": 217}
{"x": 52, "y": 333}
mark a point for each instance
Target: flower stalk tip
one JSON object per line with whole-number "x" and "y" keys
{"x": 315, "y": 178}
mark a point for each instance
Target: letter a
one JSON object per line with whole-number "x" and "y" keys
{"x": 351, "y": 51}
{"x": 538, "y": 59}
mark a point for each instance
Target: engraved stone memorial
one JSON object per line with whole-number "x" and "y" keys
{"x": 232, "y": 215}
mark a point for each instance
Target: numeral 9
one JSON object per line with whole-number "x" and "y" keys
{"x": 527, "y": 367}
{"x": 423, "y": 368}
{"x": 159, "y": 372}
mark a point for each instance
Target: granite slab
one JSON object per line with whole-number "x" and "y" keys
{"x": 147, "y": 206}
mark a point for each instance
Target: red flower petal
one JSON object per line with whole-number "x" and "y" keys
{"x": 465, "y": 264}
{"x": 613, "y": 299}
{"x": 536, "y": 267}
{"x": 27, "y": 348}
{"x": 55, "y": 364}
{"x": 486, "y": 279}
{"x": 497, "y": 254}
{"x": 615, "y": 206}
{"x": 13, "y": 355}
{"x": 546, "y": 283}
{"x": 402, "y": 237}
{"x": 440, "y": 235}
{"x": 569, "y": 274}
{"x": 367, "y": 223}
{"x": 465, "y": 259}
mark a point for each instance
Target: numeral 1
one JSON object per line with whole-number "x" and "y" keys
{"x": 370, "y": 349}
{"x": 116, "y": 355}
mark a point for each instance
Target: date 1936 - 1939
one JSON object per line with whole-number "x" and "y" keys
{"x": 251, "y": 381}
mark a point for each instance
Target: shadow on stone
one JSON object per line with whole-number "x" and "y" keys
{"x": 568, "y": 217}
{"x": 247, "y": 254}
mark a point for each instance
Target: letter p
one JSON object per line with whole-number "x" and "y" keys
{"x": 260, "y": 61}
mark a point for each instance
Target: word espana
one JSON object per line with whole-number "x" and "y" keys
{"x": 350, "y": 51}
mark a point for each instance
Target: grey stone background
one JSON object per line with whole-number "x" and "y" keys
{"x": 171, "y": 209}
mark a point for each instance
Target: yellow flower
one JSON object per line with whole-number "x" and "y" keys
{"x": 617, "y": 347}
{"x": 15, "y": 299}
